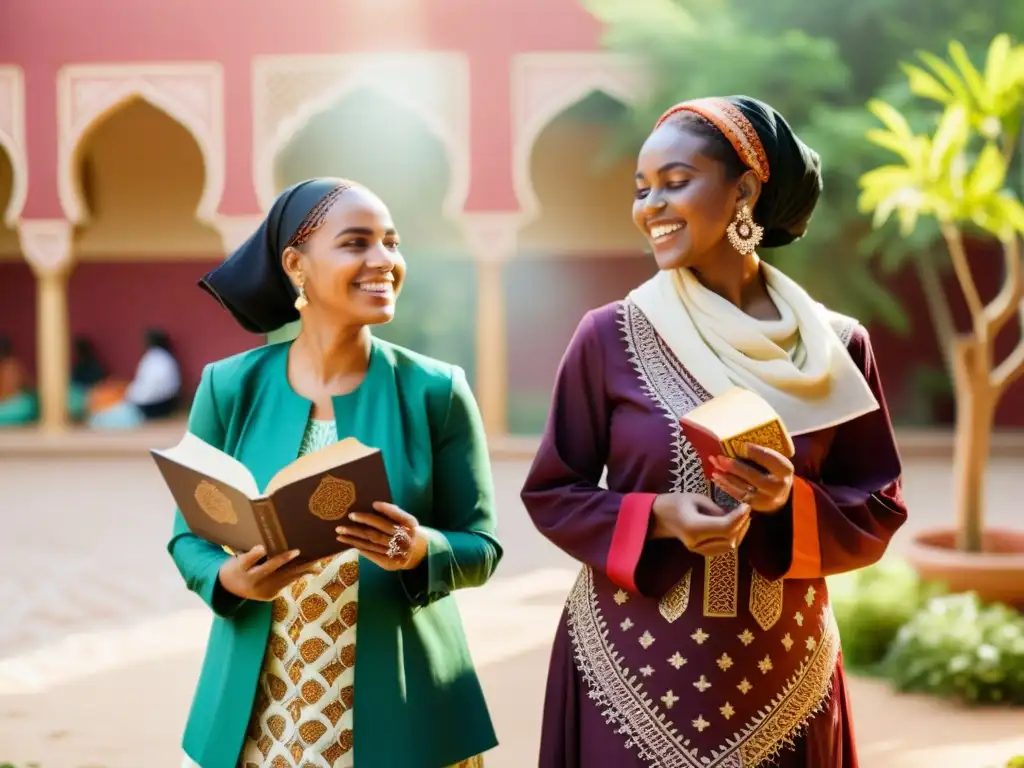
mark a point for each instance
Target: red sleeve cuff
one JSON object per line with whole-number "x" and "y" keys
{"x": 806, "y": 562}
{"x": 628, "y": 538}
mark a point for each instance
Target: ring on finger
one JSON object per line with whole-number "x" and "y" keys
{"x": 399, "y": 543}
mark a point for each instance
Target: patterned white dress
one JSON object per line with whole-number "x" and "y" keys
{"x": 303, "y": 712}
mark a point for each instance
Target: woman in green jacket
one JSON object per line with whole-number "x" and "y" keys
{"x": 283, "y": 684}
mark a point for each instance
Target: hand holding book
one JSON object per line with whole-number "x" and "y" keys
{"x": 744, "y": 448}
{"x": 299, "y": 510}
{"x": 701, "y": 525}
{"x": 391, "y": 538}
{"x": 763, "y": 482}
{"x": 253, "y": 576}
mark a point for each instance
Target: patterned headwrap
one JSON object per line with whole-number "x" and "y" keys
{"x": 789, "y": 170}
{"x": 251, "y": 283}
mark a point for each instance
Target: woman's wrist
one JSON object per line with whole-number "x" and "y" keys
{"x": 417, "y": 550}
{"x": 662, "y": 512}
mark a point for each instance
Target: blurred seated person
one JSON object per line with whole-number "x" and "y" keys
{"x": 153, "y": 394}
{"x": 18, "y": 404}
{"x": 91, "y": 389}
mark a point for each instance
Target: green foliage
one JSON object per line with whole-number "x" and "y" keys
{"x": 870, "y": 606}
{"x": 957, "y": 174}
{"x": 959, "y": 648}
{"x": 929, "y": 389}
{"x": 818, "y": 64}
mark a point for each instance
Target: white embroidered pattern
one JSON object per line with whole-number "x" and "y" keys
{"x": 652, "y": 363}
{"x": 657, "y": 741}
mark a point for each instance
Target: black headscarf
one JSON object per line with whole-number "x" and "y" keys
{"x": 791, "y": 193}
{"x": 252, "y": 283}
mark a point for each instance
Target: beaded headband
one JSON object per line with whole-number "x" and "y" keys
{"x": 733, "y": 124}
{"x": 316, "y": 217}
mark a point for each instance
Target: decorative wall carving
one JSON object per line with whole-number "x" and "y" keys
{"x": 46, "y": 245}
{"x": 12, "y": 138}
{"x": 190, "y": 93}
{"x": 546, "y": 84}
{"x": 288, "y": 91}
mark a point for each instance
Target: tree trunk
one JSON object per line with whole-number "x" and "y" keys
{"x": 975, "y": 403}
{"x": 938, "y": 307}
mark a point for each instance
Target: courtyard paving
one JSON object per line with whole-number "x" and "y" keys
{"x": 100, "y": 643}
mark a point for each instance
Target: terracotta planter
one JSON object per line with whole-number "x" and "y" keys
{"x": 996, "y": 573}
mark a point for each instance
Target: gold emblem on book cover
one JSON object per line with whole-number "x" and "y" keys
{"x": 215, "y": 503}
{"x": 333, "y": 498}
{"x": 768, "y": 435}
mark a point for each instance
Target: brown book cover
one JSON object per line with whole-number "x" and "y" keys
{"x": 300, "y": 508}
{"x": 736, "y": 416}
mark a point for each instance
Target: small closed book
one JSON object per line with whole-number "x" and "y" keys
{"x": 738, "y": 415}
{"x": 300, "y": 508}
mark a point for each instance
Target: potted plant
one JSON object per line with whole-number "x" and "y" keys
{"x": 958, "y": 177}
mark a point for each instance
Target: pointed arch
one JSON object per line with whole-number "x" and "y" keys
{"x": 191, "y": 94}
{"x": 582, "y": 183}
{"x": 288, "y": 91}
{"x": 544, "y": 85}
{"x": 12, "y": 139}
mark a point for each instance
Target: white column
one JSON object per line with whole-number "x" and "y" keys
{"x": 46, "y": 245}
{"x": 491, "y": 238}
{"x": 235, "y": 230}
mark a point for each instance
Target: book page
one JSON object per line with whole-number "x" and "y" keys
{"x": 200, "y": 456}
{"x": 312, "y": 464}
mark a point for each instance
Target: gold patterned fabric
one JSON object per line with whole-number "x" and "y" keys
{"x": 303, "y": 713}
{"x": 303, "y": 710}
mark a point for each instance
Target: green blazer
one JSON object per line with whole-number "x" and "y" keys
{"x": 418, "y": 702}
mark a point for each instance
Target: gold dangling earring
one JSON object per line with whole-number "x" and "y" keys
{"x": 301, "y": 302}
{"x": 743, "y": 233}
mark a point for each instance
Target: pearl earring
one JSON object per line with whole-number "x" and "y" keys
{"x": 301, "y": 302}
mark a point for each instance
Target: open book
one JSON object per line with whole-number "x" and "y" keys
{"x": 300, "y": 508}
{"x": 736, "y": 416}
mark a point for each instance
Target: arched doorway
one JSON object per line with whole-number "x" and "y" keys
{"x": 368, "y": 138}
{"x": 580, "y": 252}
{"x": 141, "y": 249}
{"x": 17, "y": 283}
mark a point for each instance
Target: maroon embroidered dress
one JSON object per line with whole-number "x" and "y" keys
{"x": 665, "y": 658}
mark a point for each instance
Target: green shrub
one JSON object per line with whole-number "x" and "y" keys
{"x": 870, "y": 606}
{"x": 960, "y": 648}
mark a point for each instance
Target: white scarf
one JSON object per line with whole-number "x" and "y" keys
{"x": 797, "y": 363}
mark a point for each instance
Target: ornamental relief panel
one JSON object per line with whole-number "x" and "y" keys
{"x": 288, "y": 91}
{"x": 546, "y": 84}
{"x": 191, "y": 94}
{"x": 12, "y": 139}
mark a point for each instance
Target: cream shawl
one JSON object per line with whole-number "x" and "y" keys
{"x": 797, "y": 363}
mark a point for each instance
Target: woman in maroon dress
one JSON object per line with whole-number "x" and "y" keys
{"x": 699, "y": 633}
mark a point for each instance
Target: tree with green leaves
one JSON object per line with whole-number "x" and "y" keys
{"x": 817, "y": 63}
{"x": 957, "y": 175}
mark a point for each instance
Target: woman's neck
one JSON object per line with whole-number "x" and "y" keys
{"x": 333, "y": 355}
{"x": 737, "y": 278}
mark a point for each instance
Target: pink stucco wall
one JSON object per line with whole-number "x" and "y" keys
{"x": 43, "y": 35}
{"x": 113, "y": 303}
{"x": 18, "y": 309}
